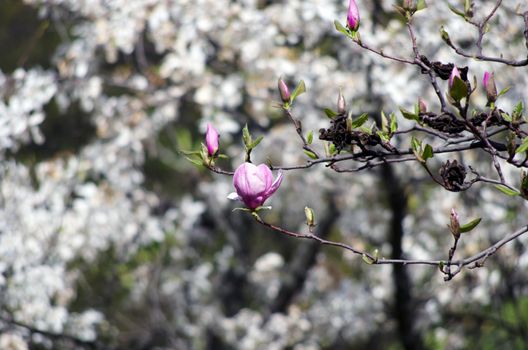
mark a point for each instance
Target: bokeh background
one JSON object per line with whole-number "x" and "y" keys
{"x": 110, "y": 239}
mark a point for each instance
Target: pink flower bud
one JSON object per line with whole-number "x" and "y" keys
{"x": 454, "y": 73}
{"x": 341, "y": 104}
{"x": 254, "y": 184}
{"x": 489, "y": 85}
{"x": 211, "y": 140}
{"x": 422, "y": 106}
{"x": 409, "y": 5}
{"x": 284, "y": 91}
{"x": 455, "y": 223}
{"x": 353, "y": 15}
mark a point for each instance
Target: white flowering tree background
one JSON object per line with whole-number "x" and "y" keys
{"x": 110, "y": 238}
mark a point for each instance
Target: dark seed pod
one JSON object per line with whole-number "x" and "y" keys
{"x": 453, "y": 175}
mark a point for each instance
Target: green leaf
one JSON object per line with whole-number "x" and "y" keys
{"x": 416, "y": 144}
{"x": 299, "y": 89}
{"x": 365, "y": 129}
{"x": 421, "y": 5}
{"x": 467, "y": 6}
{"x": 359, "y": 121}
{"x": 383, "y": 136}
{"x": 523, "y": 147}
{"x": 309, "y": 137}
{"x": 340, "y": 28}
{"x": 262, "y": 207}
{"x": 408, "y": 115}
{"x": 256, "y": 142}
{"x": 246, "y": 136}
{"x": 242, "y": 209}
{"x": 506, "y": 190}
{"x": 445, "y": 35}
{"x": 503, "y": 91}
{"x": 204, "y": 154}
{"x": 393, "y": 123}
{"x": 330, "y": 113}
{"x": 400, "y": 10}
{"x": 470, "y": 225}
{"x": 194, "y": 161}
{"x": 457, "y": 11}
{"x": 441, "y": 266}
{"x": 190, "y": 153}
{"x": 384, "y": 122}
{"x": 459, "y": 90}
{"x": 310, "y": 154}
{"x": 332, "y": 149}
{"x": 506, "y": 117}
{"x": 519, "y": 108}
{"x": 223, "y": 156}
{"x": 366, "y": 259}
{"x": 427, "y": 152}
{"x": 310, "y": 216}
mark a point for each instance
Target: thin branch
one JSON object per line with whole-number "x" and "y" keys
{"x": 476, "y": 259}
{"x": 381, "y": 53}
{"x": 298, "y": 127}
{"x": 482, "y": 29}
{"x": 55, "y": 336}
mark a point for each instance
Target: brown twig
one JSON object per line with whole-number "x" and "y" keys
{"x": 460, "y": 263}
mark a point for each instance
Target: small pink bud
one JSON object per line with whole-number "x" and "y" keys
{"x": 284, "y": 91}
{"x": 422, "y": 106}
{"x": 455, "y": 223}
{"x": 254, "y": 184}
{"x": 489, "y": 85}
{"x": 409, "y": 5}
{"x": 341, "y": 104}
{"x": 454, "y": 73}
{"x": 211, "y": 140}
{"x": 353, "y": 15}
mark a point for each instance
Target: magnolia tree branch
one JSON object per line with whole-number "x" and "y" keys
{"x": 450, "y": 131}
{"x": 476, "y": 260}
{"x": 482, "y": 30}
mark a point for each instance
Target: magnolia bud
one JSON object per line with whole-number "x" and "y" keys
{"x": 341, "y": 104}
{"x": 454, "y": 73}
{"x": 353, "y": 16}
{"x": 489, "y": 85}
{"x": 284, "y": 91}
{"x": 409, "y": 5}
{"x": 455, "y": 224}
{"x": 458, "y": 89}
{"x": 422, "y": 106}
{"x": 310, "y": 216}
{"x": 211, "y": 140}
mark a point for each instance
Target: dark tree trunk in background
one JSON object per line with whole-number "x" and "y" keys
{"x": 404, "y": 308}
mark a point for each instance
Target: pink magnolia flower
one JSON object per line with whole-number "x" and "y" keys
{"x": 254, "y": 184}
{"x": 353, "y": 15}
{"x": 489, "y": 85}
{"x": 454, "y": 73}
{"x": 211, "y": 140}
